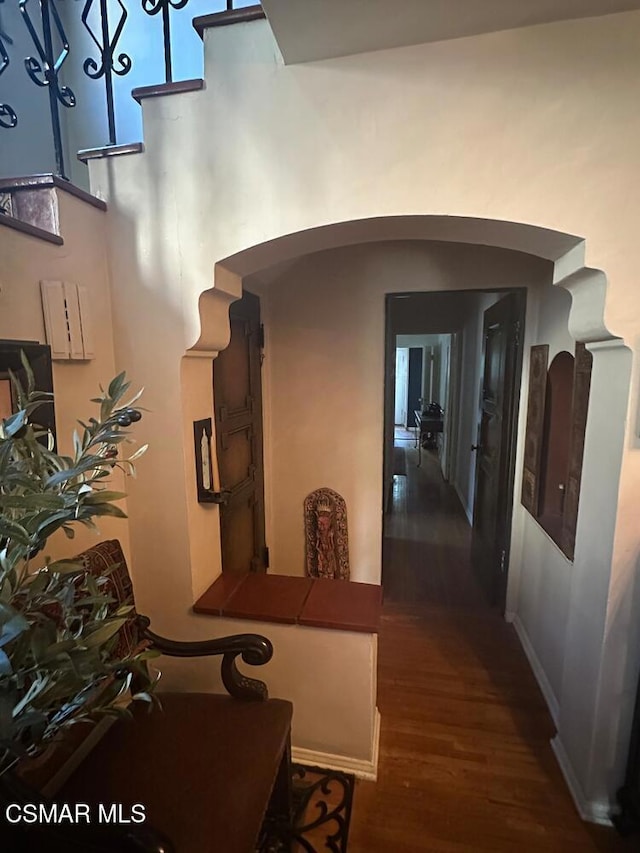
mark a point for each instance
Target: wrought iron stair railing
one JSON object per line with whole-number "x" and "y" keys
{"x": 45, "y": 23}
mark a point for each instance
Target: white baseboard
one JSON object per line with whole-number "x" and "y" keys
{"x": 467, "y": 510}
{"x": 536, "y": 666}
{"x": 361, "y": 769}
{"x": 594, "y": 811}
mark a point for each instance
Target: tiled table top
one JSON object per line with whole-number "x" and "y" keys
{"x": 272, "y": 598}
{"x": 315, "y": 602}
{"x": 345, "y": 606}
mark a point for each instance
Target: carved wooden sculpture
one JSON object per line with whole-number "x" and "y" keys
{"x": 326, "y": 539}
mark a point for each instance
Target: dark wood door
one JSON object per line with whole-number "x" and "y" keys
{"x": 237, "y": 390}
{"x": 415, "y": 384}
{"x": 495, "y": 450}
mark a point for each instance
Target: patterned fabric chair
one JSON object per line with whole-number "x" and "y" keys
{"x": 210, "y": 771}
{"x": 107, "y": 559}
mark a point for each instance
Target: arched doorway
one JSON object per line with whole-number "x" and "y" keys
{"x": 293, "y": 256}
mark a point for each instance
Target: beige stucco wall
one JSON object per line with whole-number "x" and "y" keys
{"x": 330, "y": 676}
{"x": 82, "y": 260}
{"x": 536, "y": 126}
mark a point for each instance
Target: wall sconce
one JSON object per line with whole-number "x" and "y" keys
{"x": 202, "y": 432}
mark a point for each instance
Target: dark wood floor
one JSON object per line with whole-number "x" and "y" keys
{"x": 465, "y": 761}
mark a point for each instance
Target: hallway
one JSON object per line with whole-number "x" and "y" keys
{"x": 465, "y": 760}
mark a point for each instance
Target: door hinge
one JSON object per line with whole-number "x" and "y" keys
{"x": 503, "y": 560}
{"x": 265, "y": 556}
{"x": 261, "y": 336}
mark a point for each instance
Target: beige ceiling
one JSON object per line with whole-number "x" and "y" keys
{"x": 320, "y": 29}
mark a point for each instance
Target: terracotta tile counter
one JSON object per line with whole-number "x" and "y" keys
{"x": 314, "y": 602}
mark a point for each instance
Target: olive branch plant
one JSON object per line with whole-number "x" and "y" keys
{"x": 58, "y": 623}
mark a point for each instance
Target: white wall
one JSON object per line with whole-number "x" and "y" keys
{"x": 402, "y": 385}
{"x": 268, "y": 150}
{"x": 545, "y": 584}
{"x": 25, "y": 262}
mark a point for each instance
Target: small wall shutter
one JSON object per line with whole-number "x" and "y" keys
{"x": 580, "y": 408}
{"x": 88, "y": 348}
{"x": 55, "y": 319}
{"x": 73, "y": 319}
{"x": 535, "y": 425}
{"x": 67, "y": 320}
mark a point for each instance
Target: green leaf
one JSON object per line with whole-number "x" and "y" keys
{"x": 107, "y": 509}
{"x": 20, "y": 393}
{"x": 108, "y": 436}
{"x": 37, "y": 501}
{"x": 115, "y": 385}
{"x": 63, "y": 567}
{"x": 77, "y": 444}
{"x": 84, "y": 465}
{"x": 5, "y": 664}
{"x": 14, "y": 423}
{"x": 31, "y": 382}
{"x": 133, "y": 399}
{"x": 46, "y": 523}
{"x": 102, "y": 634}
{"x": 63, "y": 647}
{"x": 13, "y": 530}
{"x": 138, "y": 453}
{"x": 103, "y": 497}
{"x": 14, "y": 625}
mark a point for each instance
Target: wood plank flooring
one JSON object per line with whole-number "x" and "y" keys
{"x": 465, "y": 761}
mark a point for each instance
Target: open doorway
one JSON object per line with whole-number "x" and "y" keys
{"x": 423, "y": 383}
{"x": 452, "y": 475}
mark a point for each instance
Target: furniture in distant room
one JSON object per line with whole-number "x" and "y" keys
{"x": 427, "y": 425}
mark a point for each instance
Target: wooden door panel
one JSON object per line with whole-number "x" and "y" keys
{"x": 490, "y": 437}
{"x": 238, "y": 534}
{"x": 535, "y": 427}
{"x": 236, "y": 461}
{"x": 496, "y": 443}
{"x": 494, "y": 365}
{"x": 233, "y": 371}
{"x": 238, "y": 406}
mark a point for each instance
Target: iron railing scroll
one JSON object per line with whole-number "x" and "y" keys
{"x": 44, "y": 69}
{"x": 8, "y": 117}
{"x": 104, "y": 21}
{"x": 153, "y": 7}
{"x": 107, "y": 66}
